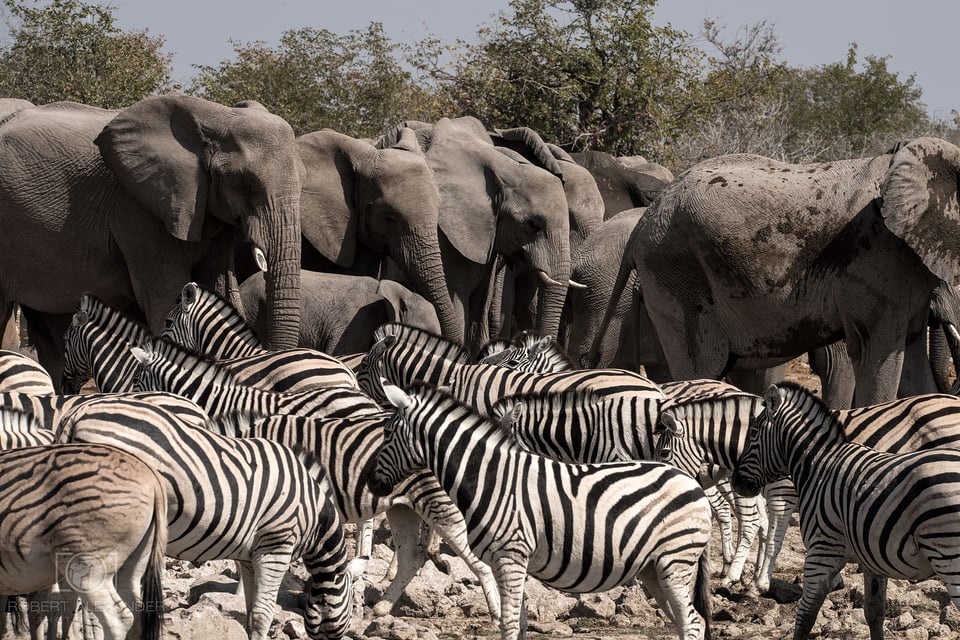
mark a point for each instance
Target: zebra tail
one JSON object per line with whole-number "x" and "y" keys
{"x": 151, "y": 615}
{"x": 701, "y": 594}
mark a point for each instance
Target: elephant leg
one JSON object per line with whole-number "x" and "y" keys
{"x": 757, "y": 380}
{"x": 877, "y": 364}
{"x": 46, "y": 331}
{"x": 835, "y": 369}
{"x": 916, "y": 377}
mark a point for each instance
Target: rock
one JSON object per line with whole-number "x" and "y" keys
{"x": 211, "y": 584}
{"x": 594, "y": 605}
{"x": 391, "y": 628}
{"x": 950, "y": 616}
{"x": 294, "y": 629}
{"x": 903, "y": 621}
{"x": 552, "y": 629}
{"x": 202, "y": 623}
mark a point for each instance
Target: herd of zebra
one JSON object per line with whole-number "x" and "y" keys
{"x": 201, "y": 445}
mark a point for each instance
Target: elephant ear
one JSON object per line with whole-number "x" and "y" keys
{"x": 157, "y": 148}
{"x": 531, "y": 146}
{"x": 469, "y": 190}
{"x": 919, "y": 203}
{"x": 328, "y": 217}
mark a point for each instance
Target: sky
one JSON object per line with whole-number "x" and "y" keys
{"x": 919, "y": 36}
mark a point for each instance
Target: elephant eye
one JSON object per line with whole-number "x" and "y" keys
{"x": 534, "y": 224}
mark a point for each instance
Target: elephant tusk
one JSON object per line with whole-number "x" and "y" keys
{"x": 546, "y": 279}
{"x": 577, "y": 285}
{"x": 260, "y": 259}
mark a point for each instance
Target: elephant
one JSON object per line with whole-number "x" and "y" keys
{"x": 129, "y": 204}
{"x": 515, "y": 292}
{"x": 494, "y": 202}
{"x": 339, "y": 313}
{"x": 624, "y": 182}
{"x": 361, "y": 204}
{"x": 747, "y": 259}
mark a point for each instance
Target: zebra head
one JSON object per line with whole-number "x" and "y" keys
{"x": 763, "y": 459}
{"x": 330, "y": 601}
{"x": 672, "y": 444}
{"x": 371, "y": 370}
{"x": 76, "y": 359}
{"x": 400, "y": 453}
{"x": 179, "y": 326}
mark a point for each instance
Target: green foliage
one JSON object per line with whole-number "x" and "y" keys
{"x": 315, "y": 78}
{"x": 584, "y": 73}
{"x": 70, "y": 50}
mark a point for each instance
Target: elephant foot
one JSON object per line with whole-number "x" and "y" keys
{"x": 382, "y": 608}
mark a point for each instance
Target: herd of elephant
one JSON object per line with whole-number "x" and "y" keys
{"x": 736, "y": 266}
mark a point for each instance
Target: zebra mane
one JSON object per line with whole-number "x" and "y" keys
{"x": 210, "y": 299}
{"x": 495, "y": 349}
{"x": 534, "y": 343}
{"x": 315, "y": 468}
{"x": 180, "y": 355}
{"x": 236, "y": 424}
{"x": 423, "y": 339}
{"x": 806, "y": 400}
{"x": 551, "y": 400}
{"x": 97, "y": 309}
{"x": 699, "y": 401}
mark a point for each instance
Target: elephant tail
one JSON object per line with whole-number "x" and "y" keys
{"x": 627, "y": 266}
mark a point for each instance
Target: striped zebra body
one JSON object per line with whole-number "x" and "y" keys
{"x": 716, "y": 431}
{"x": 348, "y": 448}
{"x": 898, "y": 515}
{"x": 528, "y": 514}
{"x": 21, "y": 374}
{"x": 251, "y": 500}
{"x": 98, "y": 346}
{"x": 20, "y": 429}
{"x": 52, "y": 411}
{"x": 205, "y": 323}
{"x": 53, "y": 497}
{"x": 164, "y": 366}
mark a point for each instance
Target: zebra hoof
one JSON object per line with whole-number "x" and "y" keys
{"x": 382, "y": 608}
{"x": 440, "y": 563}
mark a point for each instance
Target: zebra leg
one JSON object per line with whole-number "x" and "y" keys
{"x": 405, "y": 531}
{"x": 115, "y": 617}
{"x": 748, "y": 514}
{"x": 245, "y": 569}
{"x": 820, "y": 567}
{"x": 874, "y": 602}
{"x": 269, "y": 568}
{"x": 781, "y": 500}
{"x": 510, "y": 570}
{"x": 724, "y": 517}
{"x": 432, "y": 547}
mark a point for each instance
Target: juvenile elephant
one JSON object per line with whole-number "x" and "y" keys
{"x": 339, "y": 313}
{"x": 624, "y": 182}
{"x": 130, "y": 204}
{"x": 746, "y": 258}
{"x": 494, "y": 202}
{"x": 361, "y": 204}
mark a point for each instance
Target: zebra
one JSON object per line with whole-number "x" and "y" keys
{"x": 164, "y": 366}
{"x": 528, "y": 352}
{"x": 579, "y": 528}
{"x": 908, "y": 424}
{"x": 347, "y": 447}
{"x": 898, "y": 515}
{"x": 20, "y": 429}
{"x": 403, "y": 354}
{"x": 98, "y": 340}
{"x": 206, "y": 324}
{"x": 53, "y": 498}
{"x": 21, "y": 374}
{"x": 251, "y": 500}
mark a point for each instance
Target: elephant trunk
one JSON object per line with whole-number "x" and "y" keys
{"x": 552, "y": 295}
{"x": 421, "y": 261}
{"x": 282, "y": 283}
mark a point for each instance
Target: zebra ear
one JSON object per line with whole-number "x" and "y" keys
{"x": 395, "y": 395}
{"x": 141, "y": 355}
{"x": 516, "y": 411}
{"x": 671, "y": 424}
{"x": 382, "y": 345}
{"x": 80, "y": 318}
{"x": 189, "y": 295}
{"x": 772, "y": 399}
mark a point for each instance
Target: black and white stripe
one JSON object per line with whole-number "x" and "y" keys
{"x": 20, "y": 429}
{"x": 204, "y": 323}
{"x": 347, "y": 448}
{"x": 164, "y": 366}
{"x": 251, "y": 500}
{"x": 21, "y": 374}
{"x": 579, "y": 528}
{"x": 898, "y": 515}
{"x": 529, "y": 352}
{"x": 94, "y": 520}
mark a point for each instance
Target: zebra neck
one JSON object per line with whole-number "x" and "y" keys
{"x": 809, "y": 444}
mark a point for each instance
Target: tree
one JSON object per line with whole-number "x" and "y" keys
{"x": 70, "y": 50}
{"x": 315, "y": 78}
{"x": 584, "y": 73}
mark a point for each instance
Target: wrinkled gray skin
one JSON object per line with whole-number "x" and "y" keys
{"x": 130, "y": 204}
{"x": 493, "y": 202}
{"x": 361, "y": 204}
{"x": 849, "y": 249}
{"x": 624, "y": 182}
{"x": 339, "y": 313}
{"x": 517, "y": 291}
